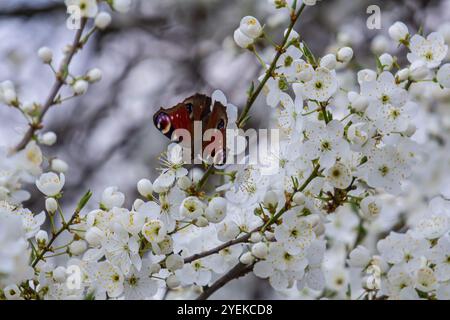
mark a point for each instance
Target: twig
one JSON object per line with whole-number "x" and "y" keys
{"x": 63, "y": 228}
{"x": 261, "y": 228}
{"x": 280, "y": 50}
{"x": 254, "y": 94}
{"x": 60, "y": 80}
{"x": 225, "y": 245}
{"x": 237, "y": 271}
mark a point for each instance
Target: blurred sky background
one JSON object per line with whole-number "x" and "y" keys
{"x": 156, "y": 55}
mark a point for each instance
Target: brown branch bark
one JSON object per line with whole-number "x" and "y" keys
{"x": 225, "y": 245}
{"x": 237, "y": 271}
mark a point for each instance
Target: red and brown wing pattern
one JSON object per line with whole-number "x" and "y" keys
{"x": 184, "y": 114}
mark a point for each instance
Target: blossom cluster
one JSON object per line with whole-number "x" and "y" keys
{"x": 352, "y": 157}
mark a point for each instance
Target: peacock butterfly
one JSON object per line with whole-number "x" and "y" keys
{"x": 204, "y": 120}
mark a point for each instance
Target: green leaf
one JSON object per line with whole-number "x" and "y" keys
{"x": 84, "y": 200}
{"x": 90, "y": 296}
{"x": 309, "y": 55}
{"x": 380, "y": 66}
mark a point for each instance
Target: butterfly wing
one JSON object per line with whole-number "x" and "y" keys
{"x": 184, "y": 115}
{"x": 217, "y": 122}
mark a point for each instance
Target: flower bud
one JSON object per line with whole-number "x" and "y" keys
{"x": 270, "y": 199}
{"x": 42, "y": 238}
{"x": 154, "y": 268}
{"x": 269, "y": 235}
{"x": 217, "y": 210}
{"x": 145, "y": 188}
{"x": 345, "y": 54}
{"x": 111, "y": 198}
{"x": 94, "y": 75}
{"x": 137, "y": 203}
{"x": 196, "y": 174}
{"x": 77, "y": 247}
{"x": 247, "y": 258}
{"x": 242, "y": 40}
{"x": 172, "y": 282}
{"x": 94, "y": 236}
{"x": 59, "y": 165}
{"x": 359, "y": 257}
{"x": 260, "y": 250}
{"x": 398, "y": 31}
{"x": 328, "y": 61}
{"x": 48, "y": 138}
{"x": 10, "y": 96}
{"x": 80, "y": 87}
{"x": 45, "y": 54}
{"x": 255, "y": 237}
{"x": 122, "y": 6}
{"x": 386, "y": 61}
{"x": 102, "y": 20}
{"x": 59, "y": 274}
{"x": 402, "y": 75}
{"x": 28, "y": 107}
{"x": 51, "y": 205}
{"x": 299, "y": 198}
{"x": 359, "y": 103}
{"x": 174, "y": 262}
{"x": 250, "y": 27}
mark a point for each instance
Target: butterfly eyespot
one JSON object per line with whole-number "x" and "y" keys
{"x": 163, "y": 123}
{"x": 221, "y": 124}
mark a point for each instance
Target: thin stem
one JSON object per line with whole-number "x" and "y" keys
{"x": 63, "y": 228}
{"x": 59, "y": 82}
{"x": 55, "y": 255}
{"x": 261, "y": 228}
{"x": 268, "y": 38}
{"x": 261, "y": 61}
{"x": 52, "y": 222}
{"x": 280, "y": 50}
{"x": 61, "y": 213}
{"x": 225, "y": 245}
{"x": 323, "y": 107}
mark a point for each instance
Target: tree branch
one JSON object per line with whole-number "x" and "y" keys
{"x": 225, "y": 245}
{"x": 269, "y": 72}
{"x": 237, "y": 271}
{"x": 262, "y": 228}
{"x": 60, "y": 80}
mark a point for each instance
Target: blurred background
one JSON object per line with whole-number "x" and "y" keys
{"x": 156, "y": 55}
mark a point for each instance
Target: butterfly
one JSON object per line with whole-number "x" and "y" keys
{"x": 197, "y": 111}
